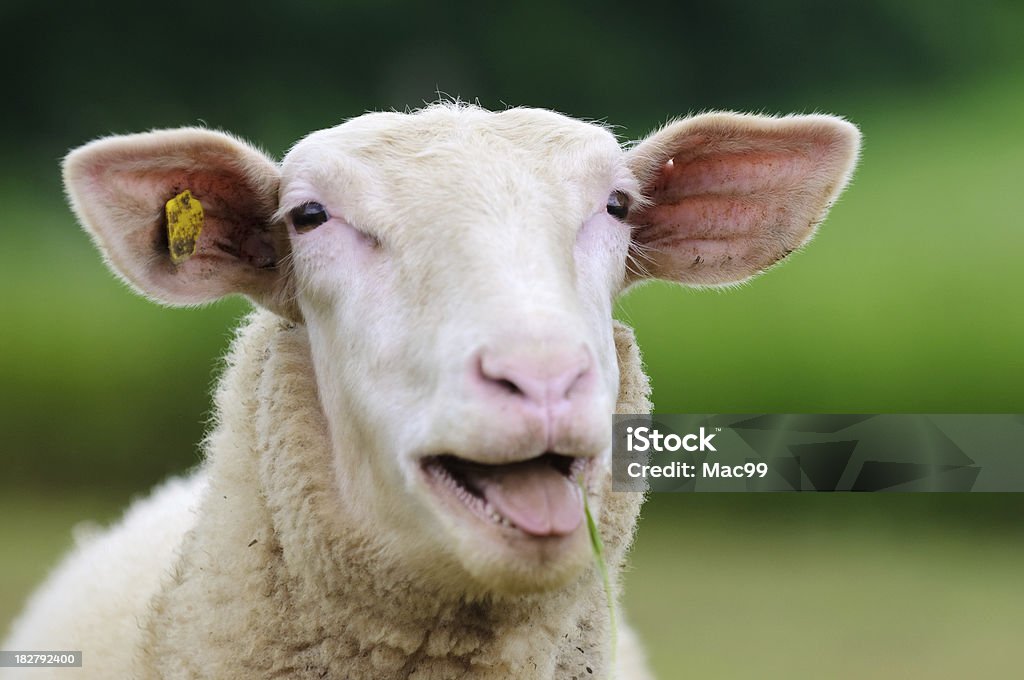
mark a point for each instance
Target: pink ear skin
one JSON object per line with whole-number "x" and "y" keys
{"x": 731, "y": 194}
{"x": 118, "y": 187}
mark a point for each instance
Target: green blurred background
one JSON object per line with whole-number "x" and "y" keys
{"x": 909, "y": 300}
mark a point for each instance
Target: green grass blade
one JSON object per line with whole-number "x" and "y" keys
{"x": 597, "y": 546}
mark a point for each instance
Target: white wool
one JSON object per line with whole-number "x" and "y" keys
{"x": 244, "y": 545}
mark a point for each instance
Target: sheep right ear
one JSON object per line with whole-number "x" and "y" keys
{"x": 126, "y": 189}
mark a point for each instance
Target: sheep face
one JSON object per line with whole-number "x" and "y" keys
{"x": 457, "y": 286}
{"x": 455, "y": 270}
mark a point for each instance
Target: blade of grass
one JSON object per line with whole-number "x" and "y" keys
{"x": 597, "y": 547}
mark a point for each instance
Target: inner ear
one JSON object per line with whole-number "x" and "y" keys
{"x": 120, "y": 188}
{"x": 728, "y": 195}
{"x": 234, "y": 226}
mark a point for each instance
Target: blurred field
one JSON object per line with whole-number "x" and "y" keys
{"x": 831, "y": 589}
{"x": 908, "y": 301}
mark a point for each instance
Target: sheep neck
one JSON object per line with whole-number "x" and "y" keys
{"x": 268, "y": 541}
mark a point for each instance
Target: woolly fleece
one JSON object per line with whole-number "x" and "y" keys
{"x": 250, "y": 569}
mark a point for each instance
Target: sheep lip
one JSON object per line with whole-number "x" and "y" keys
{"x": 457, "y": 481}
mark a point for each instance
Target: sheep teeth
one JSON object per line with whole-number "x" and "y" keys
{"x": 497, "y": 517}
{"x": 471, "y": 500}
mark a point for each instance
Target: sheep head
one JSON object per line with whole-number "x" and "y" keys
{"x": 455, "y": 270}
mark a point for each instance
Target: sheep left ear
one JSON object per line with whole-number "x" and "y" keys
{"x": 731, "y": 194}
{"x": 185, "y": 216}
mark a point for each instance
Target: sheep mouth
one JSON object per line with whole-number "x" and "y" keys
{"x": 540, "y": 497}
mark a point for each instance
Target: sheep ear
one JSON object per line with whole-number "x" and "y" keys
{"x": 731, "y": 194}
{"x": 120, "y": 189}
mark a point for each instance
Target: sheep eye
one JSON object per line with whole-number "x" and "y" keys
{"x": 308, "y": 216}
{"x": 618, "y": 204}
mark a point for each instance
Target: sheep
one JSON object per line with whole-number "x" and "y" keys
{"x": 412, "y": 413}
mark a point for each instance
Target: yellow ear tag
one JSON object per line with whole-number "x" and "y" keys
{"x": 184, "y": 223}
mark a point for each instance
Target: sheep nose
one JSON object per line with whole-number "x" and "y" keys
{"x": 549, "y": 383}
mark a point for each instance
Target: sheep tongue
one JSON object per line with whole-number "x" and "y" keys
{"x": 533, "y": 495}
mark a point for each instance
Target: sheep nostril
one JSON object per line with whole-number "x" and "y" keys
{"x": 509, "y": 387}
